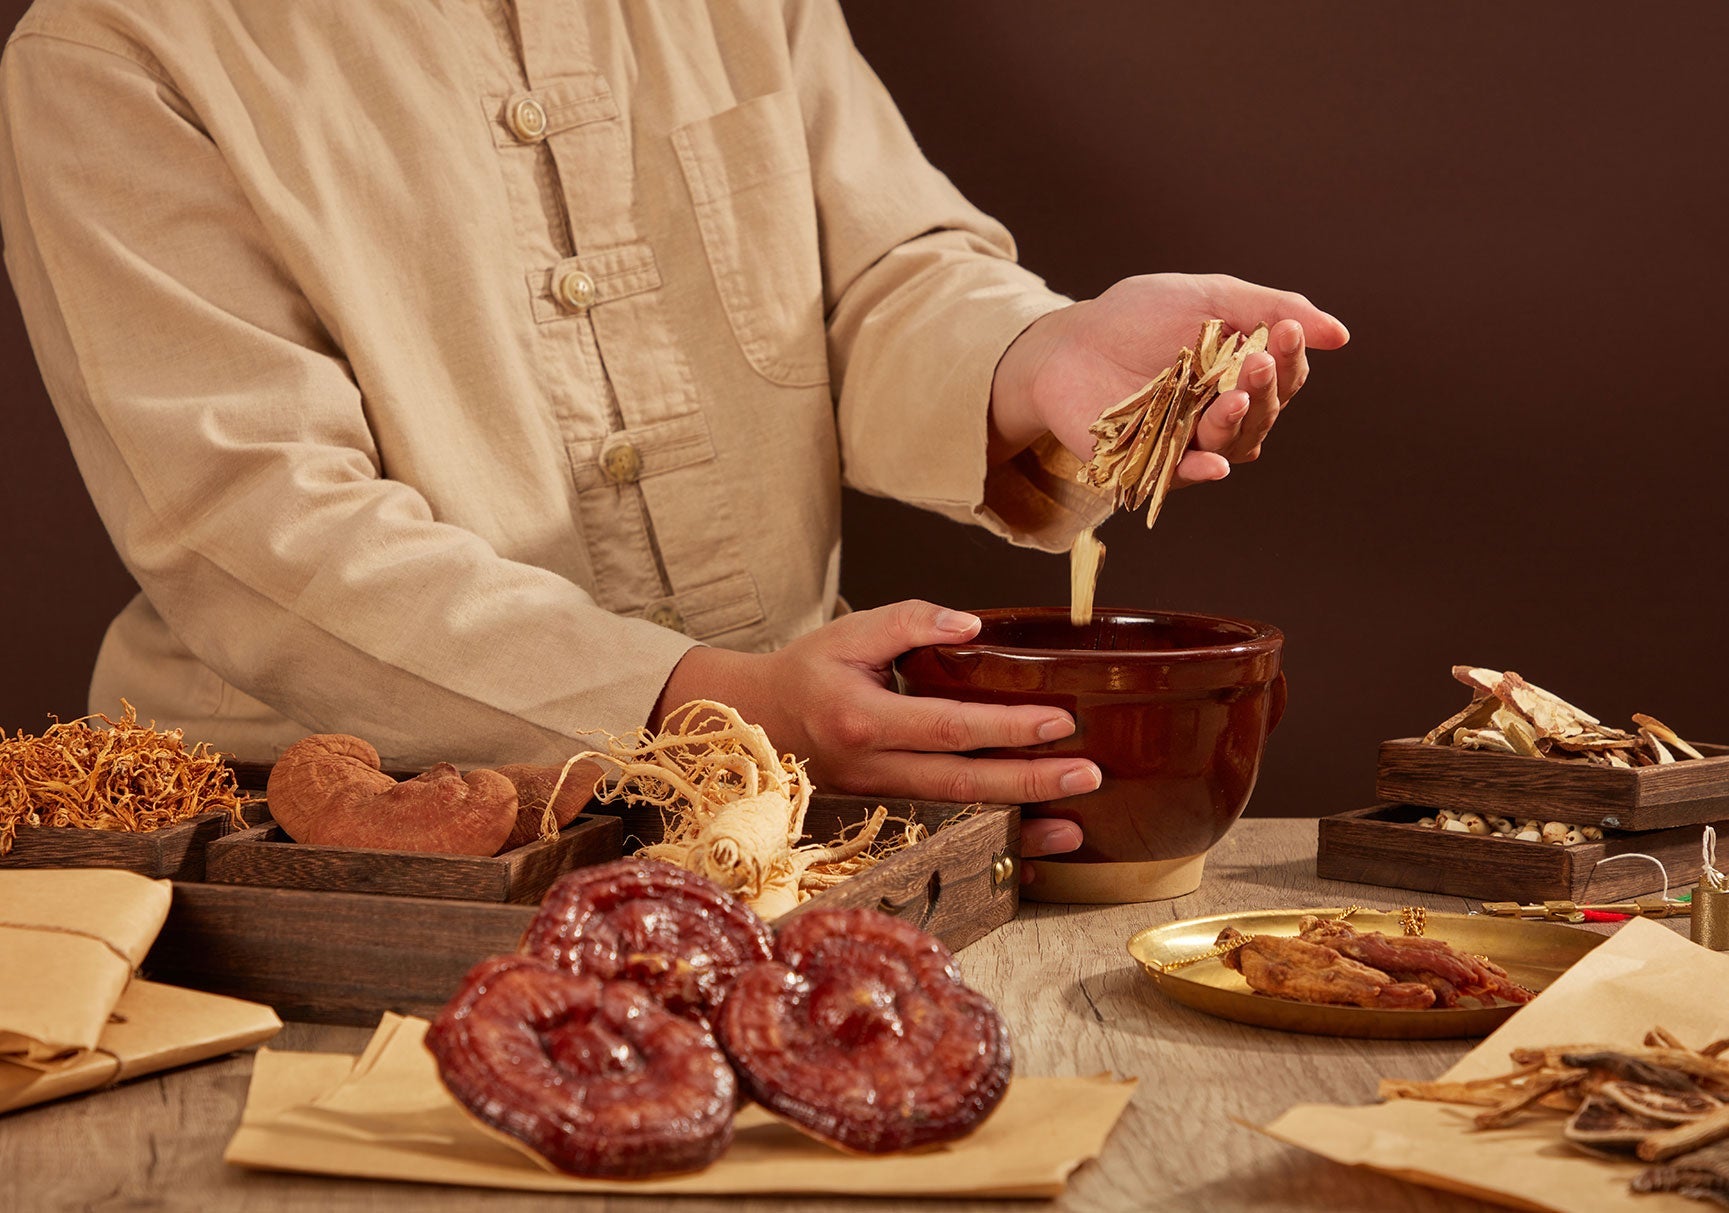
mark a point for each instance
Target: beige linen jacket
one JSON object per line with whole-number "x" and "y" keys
{"x": 444, "y": 369}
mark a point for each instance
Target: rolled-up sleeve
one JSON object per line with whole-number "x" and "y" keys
{"x": 923, "y": 296}
{"x": 226, "y": 444}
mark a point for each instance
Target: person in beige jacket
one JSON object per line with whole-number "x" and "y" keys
{"x": 469, "y": 375}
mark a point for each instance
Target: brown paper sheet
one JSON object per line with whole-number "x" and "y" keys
{"x": 154, "y": 1027}
{"x": 1646, "y": 975}
{"x": 69, "y": 940}
{"x": 389, "y": 1118}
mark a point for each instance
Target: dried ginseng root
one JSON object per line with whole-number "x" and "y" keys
{"x": 594, "y": 1077}
{"x": 863, "y": 1035}
{"x": 734, "y": 808}
{"x": 677, "y": 934}
{"x": 125, "y": 776}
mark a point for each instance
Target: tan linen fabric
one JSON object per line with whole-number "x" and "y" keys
{"x": 444, "y": 370}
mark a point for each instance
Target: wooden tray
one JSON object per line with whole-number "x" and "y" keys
{"x": 347, "y": 957}
{"x": 175, "y": 852}
{"x": 1383, "y": 845}
{"x": 264, "y": 855}
{"x": 1691, "y": 792}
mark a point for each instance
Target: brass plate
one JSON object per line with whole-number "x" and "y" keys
{"x": 1533, "y": 953}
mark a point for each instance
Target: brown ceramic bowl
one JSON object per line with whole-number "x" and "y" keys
{"x": 1174, "y": 708}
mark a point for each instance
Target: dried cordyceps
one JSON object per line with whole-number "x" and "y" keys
{"x": 1138, "y": 442}
{"x": 1512, "y": 716}
{"x": 675, "y": 933}
{"x": 593, "y": 1076}
{"x": 124, "y": 776}
{"x": 863, "y": 1035}
{"x": 734, "y": 808}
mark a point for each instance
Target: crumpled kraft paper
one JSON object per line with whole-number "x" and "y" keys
{"x": 387, "y": 1116}
{"x": 1647, "y": 975}
{"x": 69, "y": 941}
{"x": 153, "y": 1027}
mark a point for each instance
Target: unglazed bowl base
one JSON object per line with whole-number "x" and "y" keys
{"x": 1113, "y": 883}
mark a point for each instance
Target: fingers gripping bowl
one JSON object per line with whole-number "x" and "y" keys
{"x": 1174, "y": 708}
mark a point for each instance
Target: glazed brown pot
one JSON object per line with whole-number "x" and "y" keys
{"x": 1174, "y": 708}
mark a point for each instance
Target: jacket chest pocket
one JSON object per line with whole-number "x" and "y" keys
{"x": 748, "y": 173}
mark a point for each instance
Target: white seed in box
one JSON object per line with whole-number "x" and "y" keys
{"x": 1530, "y": 823}
{"x": 1555, "y": 832}
{"x": 1428, "y": 823}
{"x": 1474, "y": 823}
{"x": 1592, "y": 833}
{"x": 1574, "y": 838}
{"x": 1529, "y": 836}
{"x": 1456, "y": 826}
{"x": 1443, "y": 816}
{"x": 1500, "y": 825}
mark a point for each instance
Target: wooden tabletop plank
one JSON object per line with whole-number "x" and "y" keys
{"x": 1075, "y": 1004}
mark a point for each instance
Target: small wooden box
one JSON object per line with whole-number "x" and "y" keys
{"x": 1690, "y": 792}
{"x": 174, "y": 852}
{"x": 1383, "y": 845}
{"x": 264, "y": 855}
{"x": 346, "y": 957}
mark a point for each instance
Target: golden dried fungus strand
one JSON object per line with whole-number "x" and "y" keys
{"x": 124, "y": 776}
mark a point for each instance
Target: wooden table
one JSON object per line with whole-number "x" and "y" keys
{"x": 1075, "y": 1004}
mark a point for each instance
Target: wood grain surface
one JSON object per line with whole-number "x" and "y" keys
{"x": 1383, "y": 845}
{"x": 1693, "y": 792}
{"x": 174, "y": 852}
{"x": 265, "y": 855}
{"x": 1075, "y": 1004}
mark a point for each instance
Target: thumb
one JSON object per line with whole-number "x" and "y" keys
{"x": 1243, "y": 305}
{"x": 880, "y": 635}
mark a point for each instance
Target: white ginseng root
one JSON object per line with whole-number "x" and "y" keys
{"x": 733, "y": 808}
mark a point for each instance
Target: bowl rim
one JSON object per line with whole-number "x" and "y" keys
{"x": 1265, "y": 637}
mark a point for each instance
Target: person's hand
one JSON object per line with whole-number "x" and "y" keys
{"x": 1072, "y": 364}
{"x": 826, "y": 698}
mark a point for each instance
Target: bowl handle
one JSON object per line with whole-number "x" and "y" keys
{"x": 1276, "y": 712}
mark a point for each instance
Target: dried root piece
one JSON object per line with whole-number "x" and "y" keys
{"x": 123, "y": 776}
{"x": 1509, "y": 715}
{"x": 592, "y": 1076}
{"x": 734, "y": 809}
{"x": 1139, "y": 441}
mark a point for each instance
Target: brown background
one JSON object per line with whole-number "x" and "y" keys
{"x": 1518, "y": 209}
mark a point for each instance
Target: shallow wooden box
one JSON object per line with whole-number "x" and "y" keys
{"x": 1383, "y": 845}
{"x": 1690, "y": 792}
{"x": 265, "y": 855}
{"x": 176, "y": 852}
{"x": 347, "y": 957}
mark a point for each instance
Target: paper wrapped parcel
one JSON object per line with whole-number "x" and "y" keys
{"x": 73, "y": 1017}
{"x": 387, "y": 1116}
{"x": 69, "y": 941}
{"x": 1647, "y": 975}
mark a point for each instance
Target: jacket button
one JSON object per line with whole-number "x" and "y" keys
{"x": 666, "y": 615}
{"x": 575, "y": 290}
{"x": 527, "y": 120}
{"x": 623, "y": 463}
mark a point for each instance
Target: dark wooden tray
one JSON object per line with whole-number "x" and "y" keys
{"x": 1383, "y": 845}
{"x": 347, "y": 957}
{"x": 264, "y": 855}
{"x": 175, "y": 852}
{"x": 1692, "y": 792}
